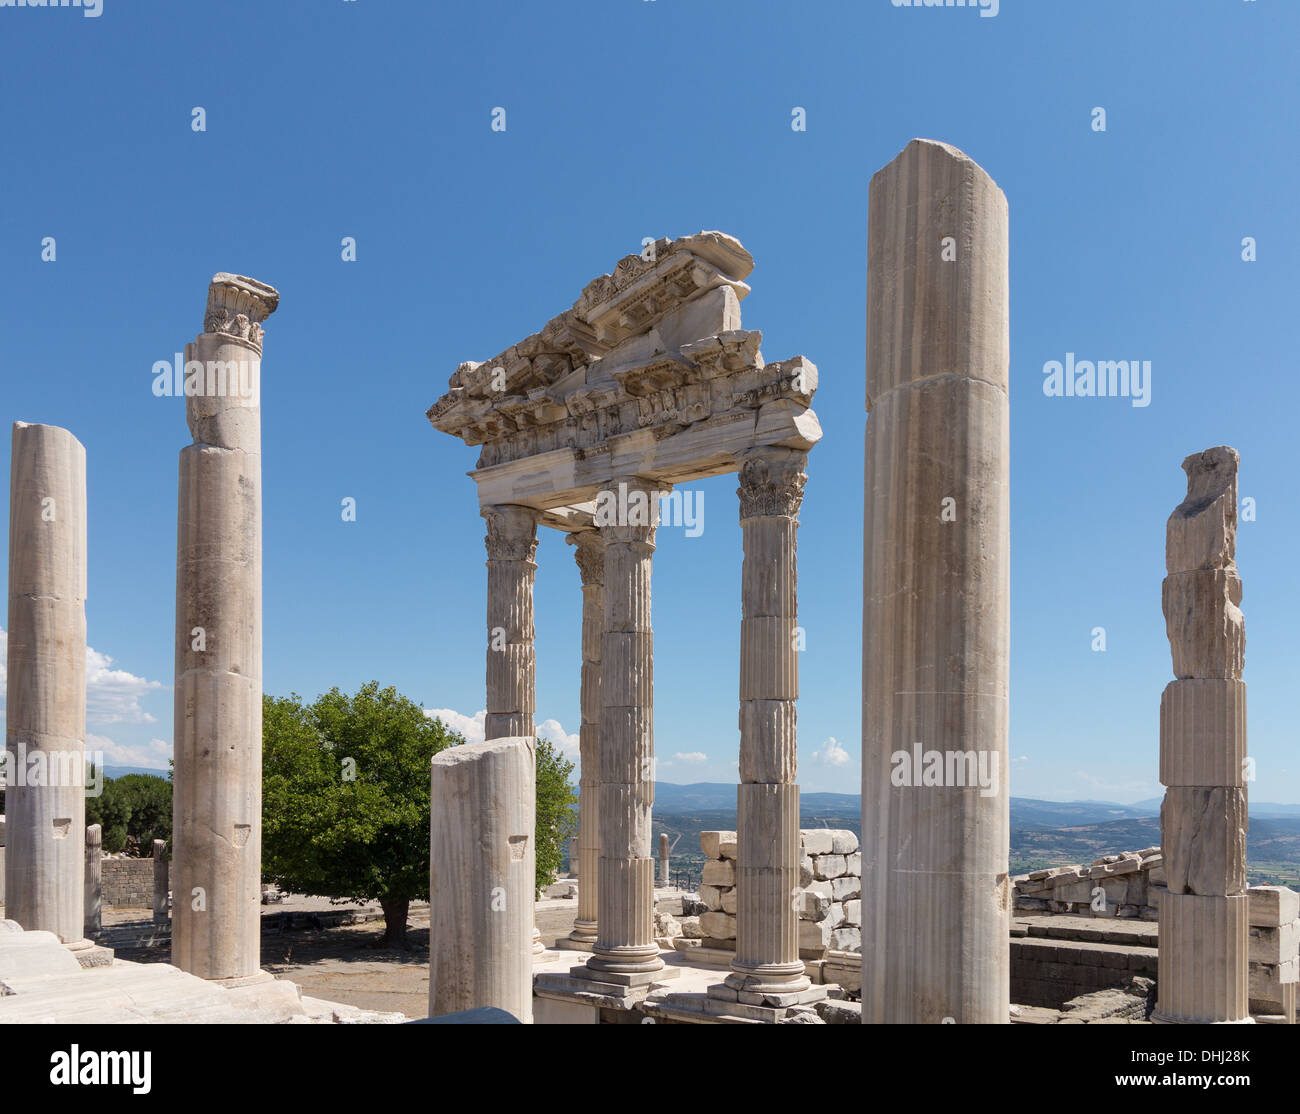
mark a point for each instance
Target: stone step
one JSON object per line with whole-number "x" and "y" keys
{"x": 1096, "y": 930}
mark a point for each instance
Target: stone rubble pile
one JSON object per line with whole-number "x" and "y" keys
{"x": 1130, "y": 884}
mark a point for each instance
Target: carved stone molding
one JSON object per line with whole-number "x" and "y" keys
{"x": 237, "y": 305}
{"x": 511, "y": 533}
{"x": 772, "y": 483}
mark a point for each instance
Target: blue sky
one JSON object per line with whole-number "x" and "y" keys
{"x": 626, "y": 119}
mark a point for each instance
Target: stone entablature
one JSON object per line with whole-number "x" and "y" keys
{"x": 649, "y": 373}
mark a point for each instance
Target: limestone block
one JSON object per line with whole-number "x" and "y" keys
{"x": 1273, "y": 906}
{"x": 814, "y": 935}
{"x": 691, "y": 929}
{"x": 829, "y": 866}
{"x": 1203, "y": 733}
{"x": 805, "y": 870}
{"x": 1203, "y": 958}
{"x": 713, "y": 312}
{"x": 711, "y": 896}
{"x": 817, "y": 841}
{"x": 727, "y": 847}
{"x": 1206, "y": 629}
{"x": 835, "y": 914}
{"x": 719, "y": 926}
{"x": 854, "y": 864}
{"x": 1275, "y": 945}
{"x": 846, "y": 939}
{"x": 719, "y": 872}
{"x": 822, "y": 888}
{"x": 843, "y": 842}
{"x": 729, "y": 901}
{"x": 711, "y": 843}
{"x": 1204, "y": 838}
{"x": 1267, "y": 980}
{"x": 1202, "y": 531}
{"x": 813, "y": 906}
{"x": 846, "y": 887}
{"x": 853, "y": 913}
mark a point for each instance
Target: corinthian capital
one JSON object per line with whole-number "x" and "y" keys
{"x": 237, "y": 306}
{"x": 772, "y": 483}
{"x": 589, "y": 553}
{"x": 511, "y": 533}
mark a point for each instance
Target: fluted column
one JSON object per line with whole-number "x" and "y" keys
{"x": 511, "y": 657}
{"x": 1204, "y": 918}
{"x": 217, "y": 800}
{"x": 627, "y": 516}
{"x": 767, "y": 959}
{"x": 936, "y": 585}
{"x": 45, "y": 723}
{"x": 589, "y": 553}
{"x": 511, "y": 663}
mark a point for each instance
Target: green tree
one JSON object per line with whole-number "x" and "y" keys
{"x": 135, "y": 806}
{"x": 345, "y": 798}
{"x": 556, "y": 821}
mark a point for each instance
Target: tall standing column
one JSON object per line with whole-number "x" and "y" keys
{"x": 511, "y": 658}
{"x": 589, "y": 553}
{"x": 626, "y": 952}
{"x": 45, "y": 720}
{"x": 935, "y": 630}
{"x": 1204, "y": 918}
{"x": 217, "y": 798}
{"x": 767, "y": 962}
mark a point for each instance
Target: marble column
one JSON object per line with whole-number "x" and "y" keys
{"x": 663, "y": 859}
{"x": 936, "y": 562}
{"x": 589, "y": 553}
{"x": 626, "y": 953}
{"x": 1204, "y": 918}
{"x": 217, "y": 797}
{"x": 161, "y": 883}
{"x": 511, "y": 659}
{"x": 482, "y": 874}
{"x": 45, "y": 724}
{"x": 94, "y": 869}
{"x": 767, "y": 968}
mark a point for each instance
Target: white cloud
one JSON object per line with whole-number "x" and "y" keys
{"x": 832, "y": 754}
{"x": 112, "y": 695}
{"x": 152, "y": 755}
{"x": 552, "y": 731}
{"x": 469, "y": 726}
{"x": 694, "y": 757}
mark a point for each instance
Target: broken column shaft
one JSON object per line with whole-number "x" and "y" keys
{"x": 217, "y": 807}
{"x": 45, "y": 717}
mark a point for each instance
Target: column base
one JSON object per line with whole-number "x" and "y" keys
{"x": 779, "y": 980}
{"x": 539, "y": 949}
{"x": 1157, "y": 1018}
{"x": 236, "y": 981}
{"x": 631, "y": 962}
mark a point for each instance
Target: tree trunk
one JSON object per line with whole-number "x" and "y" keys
{"x": 394, "y": 923}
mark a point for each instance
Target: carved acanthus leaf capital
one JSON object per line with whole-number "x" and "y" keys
{"x": 589, "y": 554}
{"x": 772, "y": 483}
{"x": 237, "y": 306}
{"x": 511, "y": 533}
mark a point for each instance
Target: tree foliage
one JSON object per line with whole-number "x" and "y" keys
{"x": 133, "y": 810}
{"x": 556, "y": 821}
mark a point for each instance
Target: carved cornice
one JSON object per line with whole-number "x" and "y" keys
{"x": 511, "y": 533}
{"x": 771, "y": 484}
{"x": 237, "y": 306}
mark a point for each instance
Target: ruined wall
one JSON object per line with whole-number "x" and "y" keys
{"x": 1126, "y": 885}
{"x": 127, "y": 883}
{"x": 829, "y": 904}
